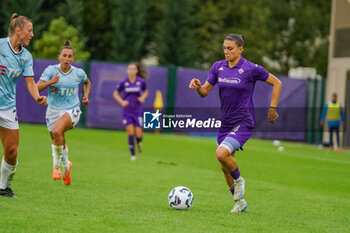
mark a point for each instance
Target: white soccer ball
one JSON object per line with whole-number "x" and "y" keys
{"x": 276, "y": 142}
{"x": 180, "y": 198}
{"x": 280, "y": 148}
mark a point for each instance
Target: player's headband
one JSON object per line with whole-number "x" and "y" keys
{"x": 239, "y": 39}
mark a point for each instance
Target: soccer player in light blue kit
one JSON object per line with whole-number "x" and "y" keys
{"x": 236, "y": 79}
{"x": 63, "y": 111}
{"x": 14, "y": 61}
{"x": 134, "y": 92}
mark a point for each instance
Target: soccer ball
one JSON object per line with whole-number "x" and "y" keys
{"x": 180, "y": 198}
{"x": 276, "y": 142}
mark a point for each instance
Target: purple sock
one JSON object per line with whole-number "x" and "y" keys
{"x": 235, "y": 174}
{"x": 232, "y": 190}
{"x": 131, "y": 144}
{"x": 138, "y": 140}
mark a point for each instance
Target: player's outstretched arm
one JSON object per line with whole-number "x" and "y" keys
{"x": 42, "y": 85}
{"x": 202, "y": 91}
{"x": 277, "y": 86}
{"x": 33, "y": 90}
{"x": 87, "y": 89}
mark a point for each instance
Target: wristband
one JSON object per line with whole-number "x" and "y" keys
{"x": 273, "y": 107}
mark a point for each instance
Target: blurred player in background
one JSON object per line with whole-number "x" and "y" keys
{"x": 236, "y": 79}
{"x": 63, "y": 111}
{"x": 14, "y": 61}
{"x": 135, "y": 93}
{"x": 333, "y": 112}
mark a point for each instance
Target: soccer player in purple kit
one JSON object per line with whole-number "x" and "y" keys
{"x": 236, "y": 79}
{"x": 135, "y": 93}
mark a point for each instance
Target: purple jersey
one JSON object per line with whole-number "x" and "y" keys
{"x": 131, "y": 91}
{"x": 236, "y": 86}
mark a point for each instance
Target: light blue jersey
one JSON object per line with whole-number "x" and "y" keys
{"x": 12, "y": 65}
{"x": 64, "y": 94}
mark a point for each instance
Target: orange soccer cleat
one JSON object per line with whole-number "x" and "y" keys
{"x": 67, "y": 177}
{"x": 56, "y": 173}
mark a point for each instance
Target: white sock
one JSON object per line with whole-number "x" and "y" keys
{"x": 64, "y": 159}
{"x": 7, "y": 173}
{"x": 57, "y": 154}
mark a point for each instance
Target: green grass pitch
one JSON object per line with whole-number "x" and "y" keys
{"x": 302, "y": 189}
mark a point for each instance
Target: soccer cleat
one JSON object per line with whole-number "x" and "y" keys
{"x": 239, "y": 189}
{"x": 67, "y": 177}
{"x": 139, "y": 147}
{"x": 56, "y": 173}
{"x": 240, "y": 206}
{"x": 7, "y": 192}
{"x": 330, "y": 149}
{"x": 338, "y": 149}
{"x": 133, "y": 158}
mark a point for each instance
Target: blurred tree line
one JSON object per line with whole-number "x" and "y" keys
{"x": 278, "y": 34}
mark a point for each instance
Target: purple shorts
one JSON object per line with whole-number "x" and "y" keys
{"x": 239, "y": 132}
{"x": 132, "y": 119}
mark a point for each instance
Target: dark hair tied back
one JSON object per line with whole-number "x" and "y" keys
{"x": 239, "y": 39}
{"x": 66, "y": 45}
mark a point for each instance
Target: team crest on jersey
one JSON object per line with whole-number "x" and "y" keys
{"x": 23, "y": 60}
{"x": 126, "y": 84}
{"x": 241, "y": 71}
{"x": 221, "y": 68}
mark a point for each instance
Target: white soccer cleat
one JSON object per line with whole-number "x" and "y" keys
{"x": 240, "y": 206}
{"x": 133, "y": 158}
{"x": 239, "y": 189}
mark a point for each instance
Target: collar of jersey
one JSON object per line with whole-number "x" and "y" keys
{"x": 238, "y": 65}
{"x": 128, "y": 80}
{"x": 71, "y": 68}
{"x": 16, "y": 53}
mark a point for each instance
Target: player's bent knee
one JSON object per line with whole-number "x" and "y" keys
{"x": 11, "y": 153}
{"x": 56, "y": 133}
{"x": 221, "y": 154}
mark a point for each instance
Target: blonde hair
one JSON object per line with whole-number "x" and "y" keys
{"x": 17, "y": 21}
